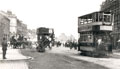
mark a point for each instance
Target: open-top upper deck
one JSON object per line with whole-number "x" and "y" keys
{"x": 94, "y": 20}
{"x": 44, "y": 31}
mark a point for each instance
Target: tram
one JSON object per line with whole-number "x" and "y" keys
{"x": 45, "y": 37}
{"x": 94, "y": 30}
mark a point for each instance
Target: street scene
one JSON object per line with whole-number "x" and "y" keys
{"x": 60, "y": 34}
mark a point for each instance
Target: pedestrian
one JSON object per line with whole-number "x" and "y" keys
{"x": 99, "y": 42}
{"x": 4, "y": 47}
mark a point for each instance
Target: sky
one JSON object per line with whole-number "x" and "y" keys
{"x": 62, "y": 15}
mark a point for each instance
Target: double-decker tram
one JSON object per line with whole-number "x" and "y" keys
{"x": 94, "y": 33}
{"x": 45, "y": 38}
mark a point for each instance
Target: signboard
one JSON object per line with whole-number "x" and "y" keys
{"x": 108, "y": 28}
{"x": 85, "y": 28}
{"x": 95, "y": 28}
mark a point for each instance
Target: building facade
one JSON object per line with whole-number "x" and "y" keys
{"x": 16, "y": 26}
{"x": 21, "y": 28}
{"x": 113, "y": 6}
{"x": 4, "y": 27}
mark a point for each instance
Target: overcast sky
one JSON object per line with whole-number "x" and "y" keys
{"x": 58, "y": 14}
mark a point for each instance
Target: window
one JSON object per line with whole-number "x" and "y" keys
{"x": 106, "y": 18}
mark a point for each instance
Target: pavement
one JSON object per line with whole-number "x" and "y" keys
{"x": 112, "y": 62}
{"x": 12, "y": 54}
{"x": 15, "y": 60}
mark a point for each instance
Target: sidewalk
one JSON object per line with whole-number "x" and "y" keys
{"x": 15, "y": 60}
{"x": 111, "y": 63}
{"x": 12, "y": 54}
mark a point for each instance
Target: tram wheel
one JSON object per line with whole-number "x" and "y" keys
{"x": 94, "y": 54}
{"x": 84, "y": 53}
{"x": 40, "y": 49}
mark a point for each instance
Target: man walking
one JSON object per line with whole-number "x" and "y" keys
{"x": 4, "y": 47}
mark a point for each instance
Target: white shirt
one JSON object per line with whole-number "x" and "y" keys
{"x": 99, "y": 41}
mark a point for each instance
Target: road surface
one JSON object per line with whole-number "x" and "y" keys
{"x": 48, "y": 60}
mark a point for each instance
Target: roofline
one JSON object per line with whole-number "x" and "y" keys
{"x": 90, "y": 14}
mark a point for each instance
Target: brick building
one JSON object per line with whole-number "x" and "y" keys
{"x": 113, "y": 6}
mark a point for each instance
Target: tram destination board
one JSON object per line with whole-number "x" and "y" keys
{"x": 94, "y": 28}
{"x": 85, "y": 28}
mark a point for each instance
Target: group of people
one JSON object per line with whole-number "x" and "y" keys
{"x": 17, "y": 41}
{"x": 102, "y": 44}
{"x": 71, "y": 44}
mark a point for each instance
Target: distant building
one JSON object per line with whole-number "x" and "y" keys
{"x": 16, "y": 26}
{"x": 21, "y": 28}
{"x": 63, "y": 38}
{"x": 32, "y": 34}
{"x": 13, "y": 25}
{"x": 113, "y": 6}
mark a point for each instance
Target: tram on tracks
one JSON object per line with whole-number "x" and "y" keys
{"x": 95, "y": 33}
{"x": 45, "y": 38}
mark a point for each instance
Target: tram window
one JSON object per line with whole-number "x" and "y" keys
{"x": 100, "y": 18}
{"x": 85, "y": 22}
{"x": 90, "y": 39}
{"x": 90, "y": 20}
{"x": 81, "y": 22}
{"x": 106, "y": 18}
{"x": 89, "y": 36}
{"x": 40, "y": 37}
{"x": 97, "y": 19}
{"x": 86, "y": 38}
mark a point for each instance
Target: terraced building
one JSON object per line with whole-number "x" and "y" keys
{"x": 113, "y": 6}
